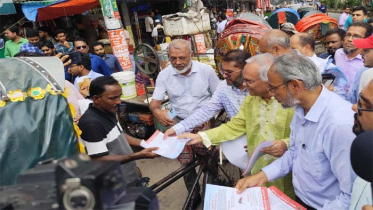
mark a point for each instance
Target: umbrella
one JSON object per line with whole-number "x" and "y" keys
{"x": 282, "y": 16}
{"x": 40, "y": 12}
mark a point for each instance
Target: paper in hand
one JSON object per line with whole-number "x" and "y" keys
{"x": 171, "y": 147}
{"x": 256, "y": 155}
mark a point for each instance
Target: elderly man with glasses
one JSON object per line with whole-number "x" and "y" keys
{"x": 320, "y": 139}
{"x": 260, "y": 117}
{"x": 189, "y": 85}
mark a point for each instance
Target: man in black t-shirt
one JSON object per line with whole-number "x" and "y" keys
{"x": 102, "y": 135}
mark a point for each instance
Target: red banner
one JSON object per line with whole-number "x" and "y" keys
{"x": 120, "y": 48}
{"x": 259, "y": 4}
{"x": 268, "y": 4}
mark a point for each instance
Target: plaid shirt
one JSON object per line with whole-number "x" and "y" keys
{"x": 62, "y": 49}
{"x": 228, "y": 97}
{"x": 30, "y": 48}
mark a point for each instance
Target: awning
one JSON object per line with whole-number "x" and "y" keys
{"x": 65, "y": 8}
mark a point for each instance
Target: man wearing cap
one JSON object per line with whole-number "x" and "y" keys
{"x": 158, "y": 33}
{"x": 288, "y": 28}
{"x": 82, "y": 69}
{"x": 361, "y": 191}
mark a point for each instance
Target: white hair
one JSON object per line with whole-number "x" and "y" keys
{"x": 176, "y": 44}
{"x": 295, "y": 66}
{"x": 264, "y": 62}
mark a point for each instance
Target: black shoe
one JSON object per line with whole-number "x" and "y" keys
{"x": 194, "y": 202}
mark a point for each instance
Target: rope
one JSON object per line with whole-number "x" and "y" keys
{"x": 12, "y": 25}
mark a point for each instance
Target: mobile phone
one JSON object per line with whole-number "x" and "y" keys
{"x": 327, "y": 79}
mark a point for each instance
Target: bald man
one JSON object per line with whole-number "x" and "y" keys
{"x": 275, "y": 42}
{"x": 305, "y": 44}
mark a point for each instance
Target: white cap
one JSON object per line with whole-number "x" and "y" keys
{"x": 157, "y": 21}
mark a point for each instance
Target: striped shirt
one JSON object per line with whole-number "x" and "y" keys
{"x": 228, "y": 97}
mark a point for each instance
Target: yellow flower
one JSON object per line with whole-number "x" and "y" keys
{"x": 17, "y": 95}
{"x": 36, "y": 93}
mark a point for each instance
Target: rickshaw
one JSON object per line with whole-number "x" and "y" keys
{"x": 244, "y": 32}
{"x": 317, "y": 25}
{"x": 36, "y": 121}
{"x": 303, "y": 10}
{"x": 283, "y": 15}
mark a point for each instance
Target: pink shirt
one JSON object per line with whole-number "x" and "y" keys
{"x": 342, "y": 20}
{"x": 349, "y": 66}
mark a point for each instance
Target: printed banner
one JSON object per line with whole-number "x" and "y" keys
{"x": 200, "y": 42}
{"x": 110, "y": 8}
{"x": 268, "y": 4}
{"x": 120, "y": 48}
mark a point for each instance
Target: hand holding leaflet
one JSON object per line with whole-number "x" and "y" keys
{"x": 171, "y": 147}
{"x": 256, "y": 155}
{"x": 258, "y": 198}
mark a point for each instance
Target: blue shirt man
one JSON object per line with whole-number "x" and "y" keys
{"x": 320, "y": 138}
{"x": 30, "y": 48}
{"x": 111, "y": 60}
{"x": 323, "y": 8}
{"x": 98, "y": 65}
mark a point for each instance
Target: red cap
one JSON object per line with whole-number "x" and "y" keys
{"x": 364, "y": 43}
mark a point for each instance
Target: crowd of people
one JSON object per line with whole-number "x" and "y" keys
{"x": 278, "y": 95}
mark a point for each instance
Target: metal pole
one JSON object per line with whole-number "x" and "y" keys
{"x": 116, "y": 32}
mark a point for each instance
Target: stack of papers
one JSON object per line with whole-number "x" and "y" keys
{"x": 257, "y": 198}
{"x": 171, "y": 147}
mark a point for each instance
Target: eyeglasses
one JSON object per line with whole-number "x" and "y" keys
{"x": 227, "y": 72}
{"x": 361, "y": 110}
{"x": 81, "y": 47}
{"x": 271, "y": 88}
{"x": 354, "y": 36}
{"x": 248, "y": 81}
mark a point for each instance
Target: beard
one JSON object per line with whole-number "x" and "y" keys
{"x": 357, "y": 128}
{"x": 185, "y": 69}
{"x": 238, "y": 81}
{"x": 290, "y": 101}
{"x": 349, "y": 51}
{"x": 331, "y": 51}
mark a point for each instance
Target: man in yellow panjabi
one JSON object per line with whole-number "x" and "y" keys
{"x": 260, "y": 117}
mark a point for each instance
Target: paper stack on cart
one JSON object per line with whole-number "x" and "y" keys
{"x": 258, "y": 198}
{"x": 171, "y": 147}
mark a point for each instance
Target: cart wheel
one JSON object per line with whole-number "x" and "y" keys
{"x": 146, "y": 59}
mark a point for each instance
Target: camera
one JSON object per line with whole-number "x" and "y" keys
{"x": 75, "y": 183}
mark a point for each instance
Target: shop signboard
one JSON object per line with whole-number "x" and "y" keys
{"x": 110, "y": 8}
{"x": 229, "y": 14}
{"x": 200, "y": 42}
{"x": 120, "y": 48}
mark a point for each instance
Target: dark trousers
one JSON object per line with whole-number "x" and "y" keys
{"x": 150, "y": 38}
{"x": 298, "y": 200}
